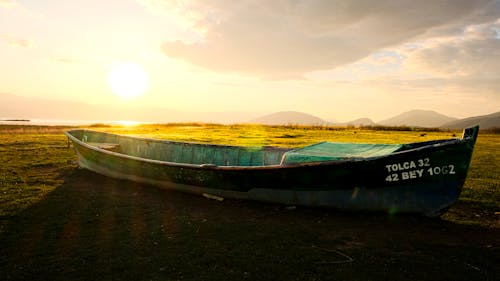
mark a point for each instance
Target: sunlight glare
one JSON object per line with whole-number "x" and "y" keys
{"x": 127, "y": 123}
{"x": 128, "y": 80}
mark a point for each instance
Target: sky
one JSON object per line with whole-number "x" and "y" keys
{"x": 335, "y": 59}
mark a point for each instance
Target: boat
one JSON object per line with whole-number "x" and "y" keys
{"x": 420, "y": 177}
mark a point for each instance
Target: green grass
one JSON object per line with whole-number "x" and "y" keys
{"x": 481, "y": 192}
{"x": 59, "y": 222}
{"x": 32, "y": 164}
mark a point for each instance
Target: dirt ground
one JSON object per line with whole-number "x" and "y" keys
{"x": 96, "y": 228}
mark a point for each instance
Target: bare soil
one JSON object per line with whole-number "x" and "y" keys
{"x": 96, "y": 228}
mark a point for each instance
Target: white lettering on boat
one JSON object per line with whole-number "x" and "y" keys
{"x": 415, "y": 174}
{"x": 408, "y": 165}
{"x": 415, "y": 169}
{"x": 443, "y": 170}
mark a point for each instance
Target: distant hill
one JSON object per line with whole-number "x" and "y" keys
{"x": 19, "y": 107}
{"x": 23, "y": 108}
{"x": 418, "y": 118}
{"x": 485, "y": 122}
{"x": 359, "y": 122}
{"x": 300, "y": 118}
{"x": 13, "y": 106}
{"x": 289, "y": 118}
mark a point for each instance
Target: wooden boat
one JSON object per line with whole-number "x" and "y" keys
{"x": 423, "y": 177}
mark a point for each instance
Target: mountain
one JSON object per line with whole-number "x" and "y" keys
{"x": 13, "y": 106}
{"x": 359, "y": 122}
{"x": 289, "y": 118}
{"x": 19, "y": 107}
{"x": 418, "y": 118}
{"x": 485, "y": 122}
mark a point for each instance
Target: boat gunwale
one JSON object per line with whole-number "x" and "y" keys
{"x": 430, "y": 148}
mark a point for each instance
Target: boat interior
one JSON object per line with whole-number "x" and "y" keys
{"x": 225, "y": 155}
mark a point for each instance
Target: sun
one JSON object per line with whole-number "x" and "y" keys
{"x": 128, "y": 80}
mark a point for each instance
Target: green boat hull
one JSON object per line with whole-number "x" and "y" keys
{"x": 424, "y": 178}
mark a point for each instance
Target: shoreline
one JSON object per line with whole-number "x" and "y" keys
{"x": 59, "y": 122}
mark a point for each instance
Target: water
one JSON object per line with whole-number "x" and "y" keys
{"x": 63, "y": 122}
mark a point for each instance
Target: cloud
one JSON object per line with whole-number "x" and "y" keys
{"x": 458, "y": 69}
{"x": 15, "y": 6}
{"x": 289, "y": 38}
{"x": 473, "y": 54}
{"x": 15, "y": 41}
{"x": 8, "y": 3}
{"x": 65, "y": 60}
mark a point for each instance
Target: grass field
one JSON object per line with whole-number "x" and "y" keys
{"x": 59, "y": 222}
